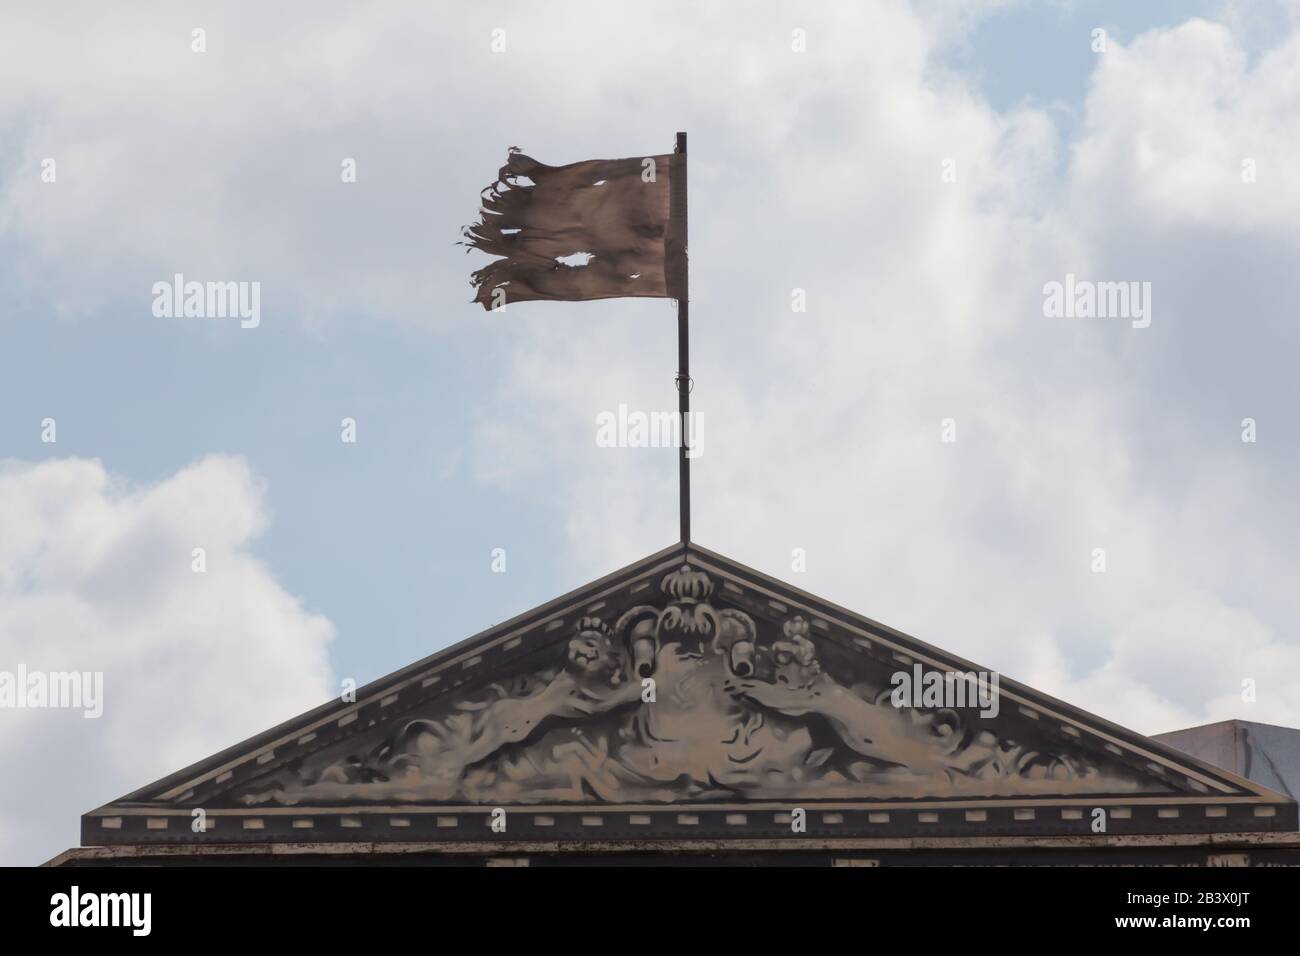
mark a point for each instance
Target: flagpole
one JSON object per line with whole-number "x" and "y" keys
{"x": 683, "y": 366}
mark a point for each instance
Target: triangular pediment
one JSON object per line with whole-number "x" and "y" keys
{"x": 687, "y": 695}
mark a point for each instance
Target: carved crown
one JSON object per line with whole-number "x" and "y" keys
{"x": 687, "y": 586}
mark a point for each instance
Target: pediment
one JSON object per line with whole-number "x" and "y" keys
{"x": 688, "y": 695}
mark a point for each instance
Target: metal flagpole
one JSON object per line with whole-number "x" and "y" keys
{"x": 683, "y": 364}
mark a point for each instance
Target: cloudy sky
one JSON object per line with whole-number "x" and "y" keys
{"x": 921, "y": 171}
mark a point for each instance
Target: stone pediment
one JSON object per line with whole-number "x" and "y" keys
{"x": 688, "y": 696}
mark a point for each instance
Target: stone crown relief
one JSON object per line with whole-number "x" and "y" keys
{"x": 688, "y": 701}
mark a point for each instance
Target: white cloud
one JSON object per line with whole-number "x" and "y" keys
{"x": 96, "y": 575}
{"x": 1173, "y": 117}
{"x": 226, "y": 164}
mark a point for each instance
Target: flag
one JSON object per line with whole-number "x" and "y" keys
{"x": 599, "y": 229}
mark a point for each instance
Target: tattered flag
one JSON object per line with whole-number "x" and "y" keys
{"x": 598, "y": 229}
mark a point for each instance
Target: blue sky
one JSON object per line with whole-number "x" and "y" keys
{"x": 475, "y": 430}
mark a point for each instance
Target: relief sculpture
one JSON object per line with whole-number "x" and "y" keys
{"x": 689, "y": 701}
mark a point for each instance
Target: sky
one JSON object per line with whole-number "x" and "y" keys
{"x": 950, "y": 458}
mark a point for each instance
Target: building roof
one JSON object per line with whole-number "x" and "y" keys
{"x": 1265, "y": 753}
{"x": 688, "y": 697}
